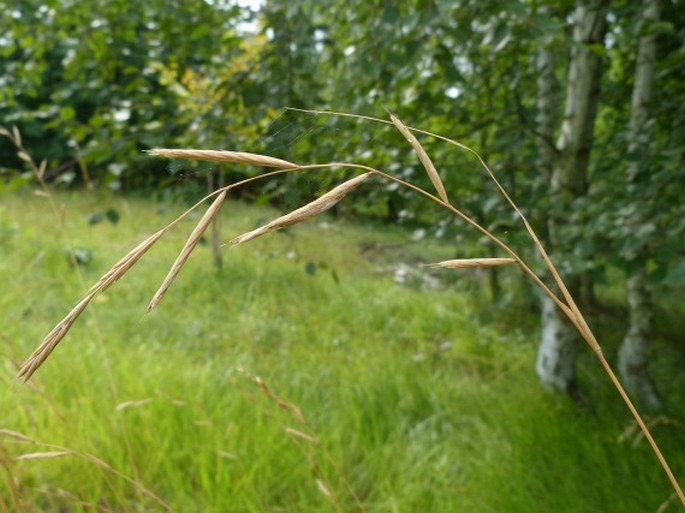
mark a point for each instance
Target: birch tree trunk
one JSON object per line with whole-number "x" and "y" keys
{"x": 632, "y": 356}
{"x": 556, "y": 360}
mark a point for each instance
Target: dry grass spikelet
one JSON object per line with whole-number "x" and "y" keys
{"x": 17, "y": 135}
{"x": 56, "y": 335}
{"x": 190, "y": 244}
{"x": 238, "y": 157}
{"x": 311, "y": 209}
{"x": 471, "y": 263}
{"x": 47, "y": 455}
{"x": 423, "y": 157}
{"x": 53, "y": 338}
{"x": 301, "y": 435}
{"x": 8, "y": 433}
{"x": 128, "y": 261}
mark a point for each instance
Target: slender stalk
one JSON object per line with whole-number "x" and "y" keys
{"x": 643, "y": 427}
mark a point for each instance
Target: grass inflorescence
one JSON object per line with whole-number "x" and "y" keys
{"x": 354, "y": 495}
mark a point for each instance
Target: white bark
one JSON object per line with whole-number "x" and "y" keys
{"x": 634, "y": 351}
{"x": 582, "y": 95}
{"x": 556, "y": 361}
{"x": 633, "y": 354}
{"x": 642, "y": 92}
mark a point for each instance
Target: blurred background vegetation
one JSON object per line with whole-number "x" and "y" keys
{"x": 91, "y": 85}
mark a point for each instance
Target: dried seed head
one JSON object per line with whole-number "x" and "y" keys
{"x": 323, "y": 488}
{"x": 423, "y": 157}
{"x": 43, "y": 455}
{"x": 128, "y": 261}
{"x": 223, "y": 156}
{"x": 226, "y": 454}
{"x": 470, "y": 263}
{"x": 309, "y": 210}
{"x": 14, "y": 434}
{"x": 42, "y": 168}
{"x": 56, "y": 335}
{"x": 133, "y": 404}
{"x": 53, "y": 338}
{"x": 301, "y": 435}
{"x": 187, "y": 249}
{"x": 17, "y": 135}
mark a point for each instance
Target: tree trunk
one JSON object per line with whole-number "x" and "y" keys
{"x": 556, "y": 361}
{"x": 633, "y": 354}
{"x": 556, "y": 356}
{"x": 632, "y": 357}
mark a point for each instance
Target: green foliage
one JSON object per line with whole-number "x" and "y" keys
{"x": 88, "y": 78}
{"x": 93, "y": 84}
{"x": 641, "y": 215}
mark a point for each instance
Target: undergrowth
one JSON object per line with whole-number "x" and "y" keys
{"x": 414, "y": 405}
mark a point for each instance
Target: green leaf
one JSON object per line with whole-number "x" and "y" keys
{"x": 96, "y": 121}
{"x": 335, "y": 276}
{"x": 390, "y": 12}
{"x": 112, "y": 216}
{"x": 67, "y": 113}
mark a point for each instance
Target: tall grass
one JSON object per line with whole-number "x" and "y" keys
{"x": 420, "y": 407}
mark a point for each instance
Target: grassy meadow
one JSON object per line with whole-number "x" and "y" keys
{"x": 300, "y": 378}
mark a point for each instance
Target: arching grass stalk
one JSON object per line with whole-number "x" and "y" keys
{"x": 567, "y": 305}
{"x": 570, "y": 308}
